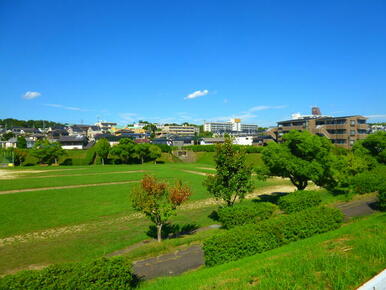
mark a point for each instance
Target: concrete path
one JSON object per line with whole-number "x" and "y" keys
{"x": 170, "y": 264}
{"x": 193, "y": 257}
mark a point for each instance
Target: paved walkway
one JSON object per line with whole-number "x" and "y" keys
{"x": 193, "y": 257}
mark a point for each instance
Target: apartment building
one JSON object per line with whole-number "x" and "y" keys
{"x": 233, "y": 126}
{"x": 342, "y": 131}
{"x": 183, "y": 130}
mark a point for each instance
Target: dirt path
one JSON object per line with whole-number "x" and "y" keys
{"x": 11, "y": 174}
{"x": 88, "y": 174}
{"x": 65, "y": 187}
{"x": 196, "y": 172}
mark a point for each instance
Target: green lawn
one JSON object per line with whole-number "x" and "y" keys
{"x": 341, "y": 259}
{"x": 99, "y": 211}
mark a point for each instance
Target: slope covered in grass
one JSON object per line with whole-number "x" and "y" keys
{"x": 341, "y": 259}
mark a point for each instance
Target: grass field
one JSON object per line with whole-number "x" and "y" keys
{"x": 341, "y": 259}
{"x": 48, "y": 226}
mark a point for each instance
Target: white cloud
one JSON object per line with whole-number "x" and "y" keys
{"x": 262, "y": 108}
{"x": 65, "y": 107}
{"x": 376, "y": 116}
{"x": 31, "y": 95}
{"x": 196, "y": 94}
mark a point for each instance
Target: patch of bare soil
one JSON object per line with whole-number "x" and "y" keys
{"x": 88, "y": 174}
{"x": 12, "y": 174}
{"x": 65, "y": 187}
{"x": 196, "y": 172}
{"x": 207, "y": 168}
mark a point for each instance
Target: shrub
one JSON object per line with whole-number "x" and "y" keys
{"x": 369, "y": 181}
{"x": 212, "y": 148}
{"x": 251, "y": 239}
{"x": 99, "y": 274}
{"x": 382, "y": 199}
{"x": 245, "y": 213}
{"x": 299, "y": 200}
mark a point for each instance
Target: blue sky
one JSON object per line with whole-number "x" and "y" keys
{"x": 76, "y": 61}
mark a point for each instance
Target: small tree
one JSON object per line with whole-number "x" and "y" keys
{"x": 158, "y": 201}
{"x": 124, "y": 150}
{"x": 19, "y": 155}
{"x": 21, "y": 142}
{"x": 47, "y": 152}
{"x": 233, "y": 179}
{"x": 102, "y": 149}
{"x": 141, "y": 151}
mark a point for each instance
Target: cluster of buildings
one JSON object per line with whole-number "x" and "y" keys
{"x": 342, "y": 131}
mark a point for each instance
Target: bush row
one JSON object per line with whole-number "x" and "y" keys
{"x": 245, "y": 213}
{"x": 299, "y": 200}
{"x": 251, "y": 239}
{"x": 100, "y": 274}
{"x": 212, "y": 148}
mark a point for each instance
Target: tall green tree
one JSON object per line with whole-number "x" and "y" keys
{"x": 233, "y": 178}
{"x": 141, "y": 151}
{"x": 302, "y": 157}
{"x": 21, "y": 142}
{"x": 102, "y": 149}
{"x": 158, "y": 201}
{"x": 154, "y": 152}
{"x": 46, "y": 152}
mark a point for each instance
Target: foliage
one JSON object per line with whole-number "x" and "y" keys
{"x": 299, "y": 200}
{"x": 10, "y": 123}
{"x": 382, "y": 199}
{"x": 212, "y": 148}
{"x": 47, "y": 152}
{"x": 102, "y": 148}
{"x": 373, "y": 145}
{"x": 21, "y": 142}
{"x": 158, "y": 201}
{"x": 369, "y": 181}
{"x": 99, "y": 274}
{"x": 7, "y": 136}
{"x": 245, "y": 213}
{"x": 233, "y": 178}
{"x": 164, "y": 148}
{"x": 301, "y": 157}
{"x": 127, "y": 151}
{"x": 20, "y": 155}
{"x": 251, "y": 239}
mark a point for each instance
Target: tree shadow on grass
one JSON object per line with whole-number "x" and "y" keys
{"x": 273, "y": 197}
{"x": 170, "y": 231}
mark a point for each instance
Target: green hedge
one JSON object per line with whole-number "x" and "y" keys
{"x": 382, "y": 198}
{"x": 245, "y": 213}
{"x": 100, "y": 274}
{"x": 212, "y": 148}
{"x": 299, "y": 200}
{"x": 369, "y": 181}
{"x": 251, "y": 239}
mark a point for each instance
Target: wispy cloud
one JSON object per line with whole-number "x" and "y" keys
{"x": 376, "y": 116}
{"x": 262, "y": 108}
{"x": 31, "y": 95}
{"x": 129, "y": 117}
{"x": 196, "y": 94}
{"x": 65, "y": 107}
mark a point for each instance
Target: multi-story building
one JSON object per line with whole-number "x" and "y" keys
{"x": 233, "y": 126}
{"x": 183, "y": 130}
{"x": 342, "y": 131}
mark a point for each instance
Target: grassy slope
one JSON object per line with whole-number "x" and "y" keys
{"x": 253, "y": 159}
{"x": 342, "y": 259}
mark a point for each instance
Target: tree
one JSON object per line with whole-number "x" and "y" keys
{"x": 7, "y": 136}
{"x": 151, "y": 128}
{"x": 141, "y": 151}
{"x": 21, "y": 142}
{"x": 19, "y": 156}
{"x": 158, "y": 201}
{"x": 154, "y": 152}
{"x": 46, "y": 152}
{"x": 301, "y": 157}
{"x": 233, "y": 179}
{"x": 124, "y": 150}
{"x": 373, "y": 145}
{"x": 102, "y": 149}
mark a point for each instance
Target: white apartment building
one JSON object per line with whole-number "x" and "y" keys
{"x": 234, "y": 125}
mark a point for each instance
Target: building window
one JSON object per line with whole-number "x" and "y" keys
{"x": 352, "y": 122}
{"x": 352, "y": 132}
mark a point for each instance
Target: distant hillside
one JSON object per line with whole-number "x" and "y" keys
{"x": 10, "y": 123}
